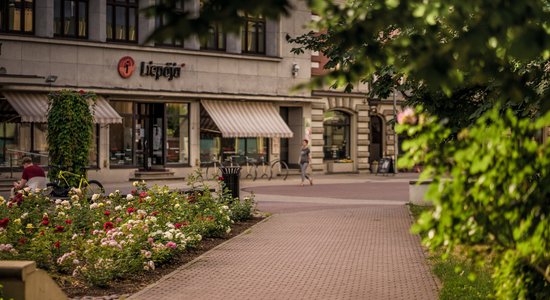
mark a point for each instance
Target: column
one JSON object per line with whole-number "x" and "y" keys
{"x": 97, "y": 22}
{"x": 43, "y": 16}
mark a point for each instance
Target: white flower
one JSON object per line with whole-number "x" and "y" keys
{"x": 74, "y": 198}
{"x": 117, "y": 192}
{"x": 27, "y": 189}
{"x": 147, "y": 198}
{"x": 225, "y": 207}
{"x": 118, "y": 207}
{"x": 135, "y": 183}
{"x": 66, "y": 203}
{"x": 168, "y": 235}
{"x": 23, "y": 216}
{"x": 58, "y": 201}
{"x": 78, "y": 191}
{"x": 76, "y": 261}
{"x": 95, "y": 197}
{"x": 129, "y": 197}
{"x": 177, "y": 205}
{"x": 111, "y": 195}
{"x": 94, "y": 205}
{"x": 228, "y": 230}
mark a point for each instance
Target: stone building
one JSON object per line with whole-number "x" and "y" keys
{"x": 164, "y": 108}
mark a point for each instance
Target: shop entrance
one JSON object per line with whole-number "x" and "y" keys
{"x": 376, "y": 139}
{"x": 290, "y": 148}
{"x": 150, "y": 136}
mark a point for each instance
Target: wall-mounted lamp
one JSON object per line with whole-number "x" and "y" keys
{"x": 51, "y": 78}
{"x": 295, "y": 69}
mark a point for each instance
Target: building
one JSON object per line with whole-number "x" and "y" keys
{"x": 168, "y": 107}
{"x": 161, "y": 106}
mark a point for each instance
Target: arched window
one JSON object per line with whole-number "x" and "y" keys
{"x": 336, "y": 135}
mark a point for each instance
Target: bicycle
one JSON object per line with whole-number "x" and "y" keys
{"x": 213, "y": 169}
{"x": 264, "y": 169}
{"x": 60, "y": 187}
{"x": 249, "y": 167}
{"x": 278, "y": 168}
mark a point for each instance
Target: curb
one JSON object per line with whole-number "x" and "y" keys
{"x": 200, "y": 257}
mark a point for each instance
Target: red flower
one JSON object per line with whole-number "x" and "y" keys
{"x": 22, "y": 241}
{"x": 107, "y": 213}
{"x": 209, "y": 218}
{"x": 45, "y": 222}
{"x": 81, "y": 92}
{"x": 177, "y": 225}
{"x": 155, "y": 213}
{"x": 191, "y": 198}
{"x": 4, "y": 222}
{"x": 41, "y": 232}
{"x": 68, "y": 221}
{"x": 220, "y": 178}
{"x": 130, "y": 210}
{"x": 133, "y": 192}
{"x": 59, "y": 228}
{"x": 108, "y": 225}
{"x": 57, "y": 244}
{"x": 143, "y": 194}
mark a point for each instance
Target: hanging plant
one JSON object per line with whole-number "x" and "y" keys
{"x": 70, "y": 125}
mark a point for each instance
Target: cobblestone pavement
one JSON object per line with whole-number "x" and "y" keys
{"x": 317, "y": 245}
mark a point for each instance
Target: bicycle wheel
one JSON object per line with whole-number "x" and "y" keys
{"x": 250, "y": 170}
{"x": 278, "y": 168}
{"x": 56, "y": 191}
{"x": 94, "y": 187}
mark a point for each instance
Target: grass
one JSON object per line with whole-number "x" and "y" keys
{"x": 460, "y": 279}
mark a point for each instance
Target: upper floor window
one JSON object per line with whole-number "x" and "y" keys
{"x": 17, "y": 16}
{"x": 215, "y": 39}
{"x": 161, "y": 21}
{"x": 122, "y": 18}
{"x": 253, "y": 34}
{"x": 71, "y": 18}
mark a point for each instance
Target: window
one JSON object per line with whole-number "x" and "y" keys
{"x": 71, "y": 18}
{"x": 121, "y": 145}
{"x": 122, "y": 17}
{"x": 17, "y": 16}
{"x": 336, "y": 135}
{"x": 161, "y": 20}
{"x": 177, "y": 133}
{"x": 253, "y": 34}
{"x": 215, "y": 39}
{"x": 214, "y": 147}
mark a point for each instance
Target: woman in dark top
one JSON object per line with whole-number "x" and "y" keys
{"x": 305, "y": 159}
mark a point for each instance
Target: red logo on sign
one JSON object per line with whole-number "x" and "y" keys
{"x": 126, "y": 66}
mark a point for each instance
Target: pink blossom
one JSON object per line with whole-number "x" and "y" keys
{"x": 171, "y": 245}
{"x": 407, "y": 116}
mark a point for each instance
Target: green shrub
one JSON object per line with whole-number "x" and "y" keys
{"x": 242, "y": 210}
{"x": 490, "y": 192}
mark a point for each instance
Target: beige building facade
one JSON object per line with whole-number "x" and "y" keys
{"x": 173, "y": 106}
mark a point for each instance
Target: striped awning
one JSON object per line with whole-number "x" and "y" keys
{"x": 33, "y": 107}
{"x": 247, "y": 119}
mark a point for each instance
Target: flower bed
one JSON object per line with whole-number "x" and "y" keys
{"x": 94, "y": 241}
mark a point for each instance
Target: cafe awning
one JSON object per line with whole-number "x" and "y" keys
{"x": 33, "y": 107}
{"x": 247, "y": 119}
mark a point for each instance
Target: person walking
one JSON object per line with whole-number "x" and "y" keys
{"x": 305, "y": 160}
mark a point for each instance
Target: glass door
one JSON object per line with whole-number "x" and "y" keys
{"x": 150, "y": 135}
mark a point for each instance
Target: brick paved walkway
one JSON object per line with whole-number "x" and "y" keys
{"x": 312, "y": 248}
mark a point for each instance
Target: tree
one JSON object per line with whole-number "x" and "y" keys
{"x": 488, "y": 62}
{"x": 70, "y": 125}
{"x": 455, "y": 66}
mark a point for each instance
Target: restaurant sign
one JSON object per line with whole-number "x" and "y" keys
{"x": 169, "y": 70}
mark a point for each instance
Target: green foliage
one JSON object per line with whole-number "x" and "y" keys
{"x": 110, "y": 236}
{"x": 70, "y": 125}
{"x": 242, "y": 210}
{"x": 490, "y": 192}
{"x": 456, "y": 276}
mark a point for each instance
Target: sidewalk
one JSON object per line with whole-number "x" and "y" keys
{"x": 330, "y": 247}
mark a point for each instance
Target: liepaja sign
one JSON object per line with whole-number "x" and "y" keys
{"x": 170, "y": 70}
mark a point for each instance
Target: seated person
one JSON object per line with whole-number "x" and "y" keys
{"x": 33, "y": 176}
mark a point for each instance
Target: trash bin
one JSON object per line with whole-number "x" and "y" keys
{"x": 231, "y": 179}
